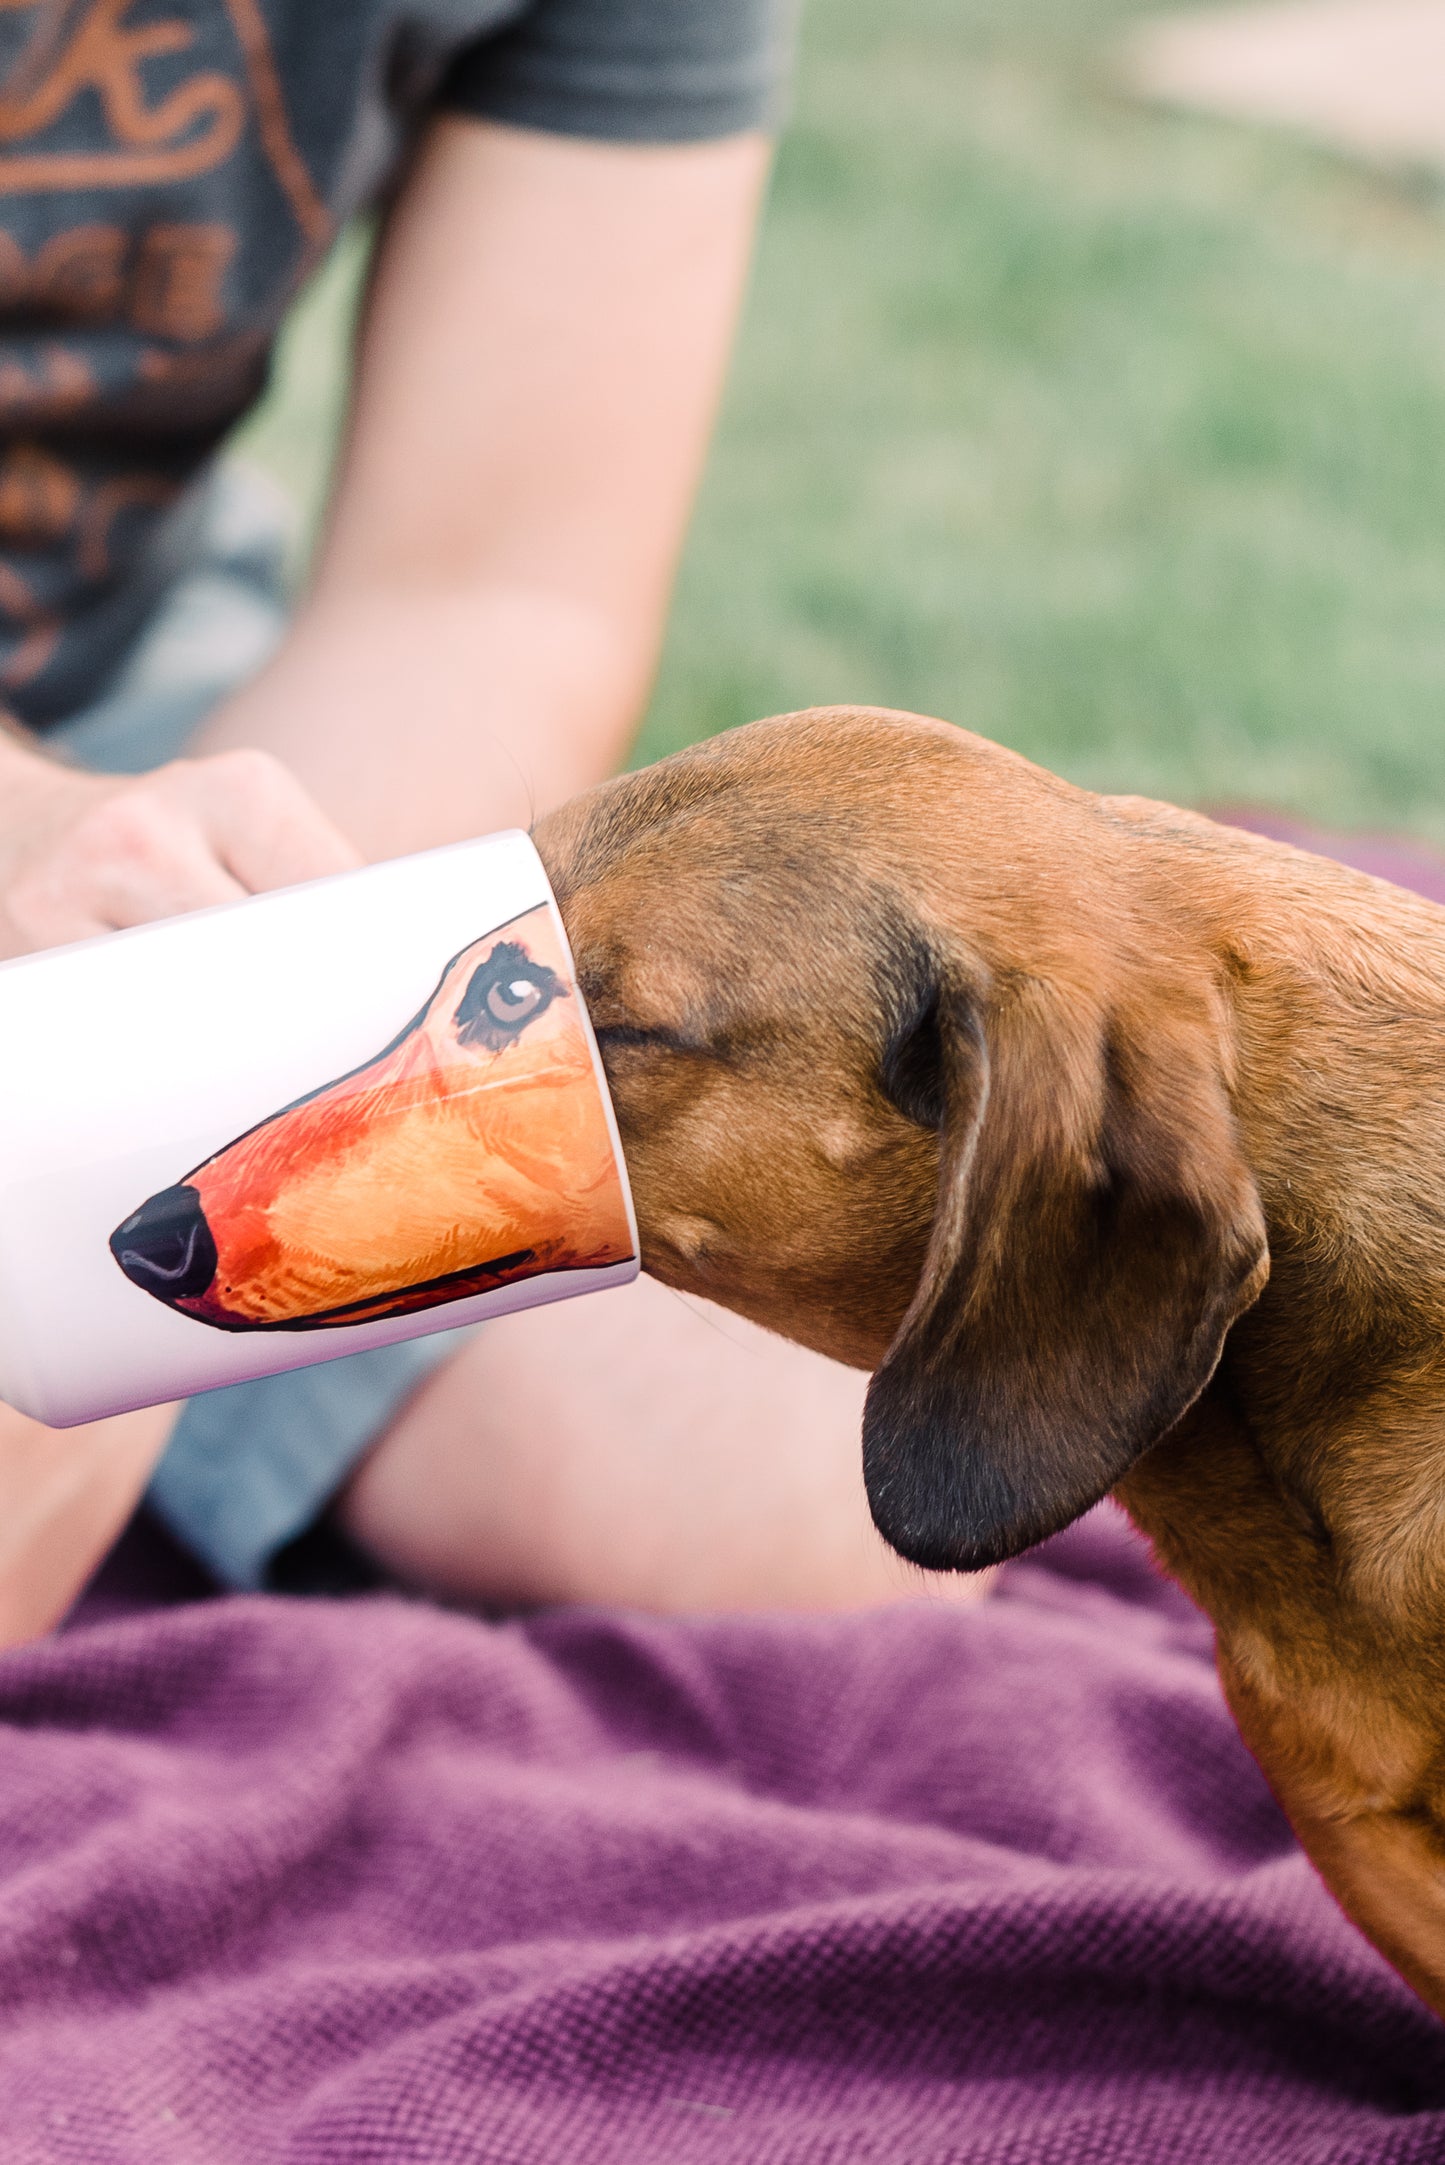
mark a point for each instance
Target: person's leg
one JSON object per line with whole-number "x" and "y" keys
{"x": 632, "y": 1447}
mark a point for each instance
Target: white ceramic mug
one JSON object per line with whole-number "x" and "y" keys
{"x": 328, "y": 1118}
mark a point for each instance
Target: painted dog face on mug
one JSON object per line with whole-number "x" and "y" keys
{"x": 472, "y": 1151}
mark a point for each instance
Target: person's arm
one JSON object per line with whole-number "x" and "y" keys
{"x": 539, "y": 365}
{"x": 540, "y": 362}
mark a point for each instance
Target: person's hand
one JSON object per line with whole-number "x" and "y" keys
{"x": 88, "y": 853}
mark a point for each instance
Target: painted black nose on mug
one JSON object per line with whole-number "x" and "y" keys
{"x": 166, "y": 1247}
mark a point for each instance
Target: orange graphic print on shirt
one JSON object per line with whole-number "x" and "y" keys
{"x": 156, "y": 215}
{"x": 90, "y": 47}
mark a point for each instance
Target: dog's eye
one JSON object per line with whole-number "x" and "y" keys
{"x": 503, "y": 995}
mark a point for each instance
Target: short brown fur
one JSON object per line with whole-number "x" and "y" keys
{"x": 1113, "y": 1141}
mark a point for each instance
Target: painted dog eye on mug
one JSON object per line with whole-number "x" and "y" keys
{"x": 470, "y": 1152}
{"x": 505, "y": 993}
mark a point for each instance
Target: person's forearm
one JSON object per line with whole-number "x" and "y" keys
{"x": 421, "y": 716}
{"x": 542, "y": 352}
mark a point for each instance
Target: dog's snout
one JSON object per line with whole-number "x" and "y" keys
{"x": 166, "y": 1247}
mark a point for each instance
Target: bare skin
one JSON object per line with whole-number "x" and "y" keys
{"x": 542, "y": 353}
{"x": 704, "y": 1463}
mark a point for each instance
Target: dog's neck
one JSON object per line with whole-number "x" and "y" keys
{"x": 1337, "y": 989}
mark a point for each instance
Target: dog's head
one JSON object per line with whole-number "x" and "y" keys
{"x": 917, "y": 1062}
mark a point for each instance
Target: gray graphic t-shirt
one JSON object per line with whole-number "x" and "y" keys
{"x": 170, "y": 173}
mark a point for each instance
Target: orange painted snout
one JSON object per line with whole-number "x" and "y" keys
{"x": 471, "y": 1152}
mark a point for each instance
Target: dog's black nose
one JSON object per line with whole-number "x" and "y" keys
{"x": 167, "y": 1248}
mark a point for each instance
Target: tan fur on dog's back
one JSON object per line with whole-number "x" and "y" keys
{"x": 1114, "y": 1142}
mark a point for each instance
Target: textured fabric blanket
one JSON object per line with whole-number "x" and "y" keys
{"x": 362, "y": 1882}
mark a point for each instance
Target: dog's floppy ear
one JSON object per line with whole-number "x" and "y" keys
{"x": 1097, "y": 1231}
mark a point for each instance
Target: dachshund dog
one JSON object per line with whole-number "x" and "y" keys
{"x": 471, "y": 1152}
{"x": 1113, "y": 1142}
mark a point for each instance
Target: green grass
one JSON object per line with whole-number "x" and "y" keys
{"x": 1117, "y": 436}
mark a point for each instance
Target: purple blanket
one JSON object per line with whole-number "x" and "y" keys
{"x": 361, "y": 1882}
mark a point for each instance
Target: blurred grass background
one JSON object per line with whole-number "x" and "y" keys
{"x": 1115, "y": 435}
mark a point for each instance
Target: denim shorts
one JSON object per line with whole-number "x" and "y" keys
{"x": 250, "y": 1468}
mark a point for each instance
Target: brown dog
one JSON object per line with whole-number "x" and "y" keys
{"x": 1114, "y": 1142}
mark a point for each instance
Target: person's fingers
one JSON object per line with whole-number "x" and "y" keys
{"x": 264, "y": 826}
{"x": 191, "y": 835}
{"x": 136, "y": 857}
{"x": 32, "y": 921}
{"x": 130, "y": 857}
{"x": 190, "y": 880}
